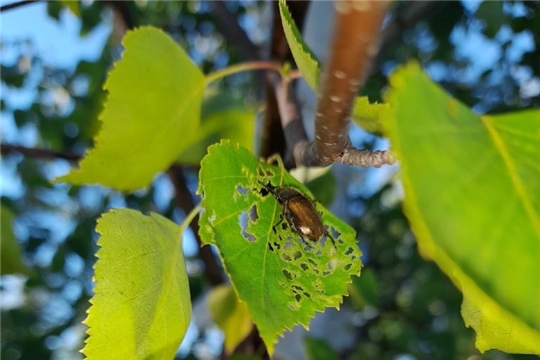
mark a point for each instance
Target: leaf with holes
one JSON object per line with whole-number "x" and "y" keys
{"x": 150, "y": 117}
{"x": 283, "y": 278}
{"x": 472, "y": 195}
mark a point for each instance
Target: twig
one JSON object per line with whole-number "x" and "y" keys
{"x": 272, "y": 133}
{"x": 38, "y": 153}
{"x": 17, "y": 4}
{"x": 365, "y": 158}
{"x": 290, "y": 117}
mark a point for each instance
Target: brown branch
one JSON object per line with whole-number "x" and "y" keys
{"x": 17, "y": 4}
{"x": 38, "y": 153}
{"x": 184, "y": 200}
{"x": 354, "y": 43}
{"x": 291, "y": 118}
{"x": 273, "y": 139}
{"x": 365, "y": 158}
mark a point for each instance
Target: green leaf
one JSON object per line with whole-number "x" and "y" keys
{"x": 472, "y": 196}
{"x": 223, "y": 117}
{"x": 141, "y": 307}
{"x": 230, "y": 314}
{"x": 368, "y": 116}
{"x": 151, "y": 115}
{"x": 11, "y": 256}
{"x": 283, "y": 280}
{"x": 72, "y": 5}
{"x": 364, "y": 114}
{"x": 363, "y": 290}
{"x": 306, "y": 61}
{"x": 317, "y": 349}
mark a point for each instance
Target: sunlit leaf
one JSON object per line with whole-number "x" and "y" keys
{"x": 472, "y": 195}
{"x": 141, "y": 307}
{"x": 368, "y": 116}
{"x": 306, "y": 61}
{"x": 151, "y": 115}
{"x": 283, "y": 280}
{"x": 230, "y": 314}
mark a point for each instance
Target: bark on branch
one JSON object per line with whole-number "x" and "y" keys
{"x": 354, "y": 43}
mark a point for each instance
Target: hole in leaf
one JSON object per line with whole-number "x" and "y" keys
{"x": 242, "y": 191}
{"x": 349, "y": 251}
{"x": 347, "y": 267}
{"x": 298, "y": 297}
{"x": 307, "y": 295}
{"x": 333, "y": 232}
{"x": 243, "y": 222}
{"x": 287, "y": 274}
{"x": 332, "y": 264}
{"x": 304, "y": 266}
{"x": 253, "y": 214}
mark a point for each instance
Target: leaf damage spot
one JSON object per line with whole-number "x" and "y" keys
{"x": 243, "y": 221}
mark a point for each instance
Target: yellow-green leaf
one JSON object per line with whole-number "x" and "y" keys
{"x": 368, "y": 116}
{"x": 472, "y": 195}
{"x": 306, "y": 61}
{"x": 151, "y": 115}
{"x": 141, "y": 307}
{"x": 230, "y": 314}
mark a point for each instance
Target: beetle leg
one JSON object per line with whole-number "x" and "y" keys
{"x": 276, "y": 224}
{"x": 328, "y": 236}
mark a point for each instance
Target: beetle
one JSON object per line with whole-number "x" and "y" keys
{"x": 298, "y": 211}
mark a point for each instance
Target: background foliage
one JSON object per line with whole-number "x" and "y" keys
{"x": 405, "y": 308}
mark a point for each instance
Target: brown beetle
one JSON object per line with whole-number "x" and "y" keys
{"x": 298, "y": 211}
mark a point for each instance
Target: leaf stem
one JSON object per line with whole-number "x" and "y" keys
{"x": 246, "y": 66}
{"x": 189, "y": 218}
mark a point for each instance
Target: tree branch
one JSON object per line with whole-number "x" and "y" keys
{"x": 354, "y": 43}
{"x": 272, "y": 130}
{"x": 38, "y": 153}
{"x": 291, "y": 118}
{"x": 17, "y": 4}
